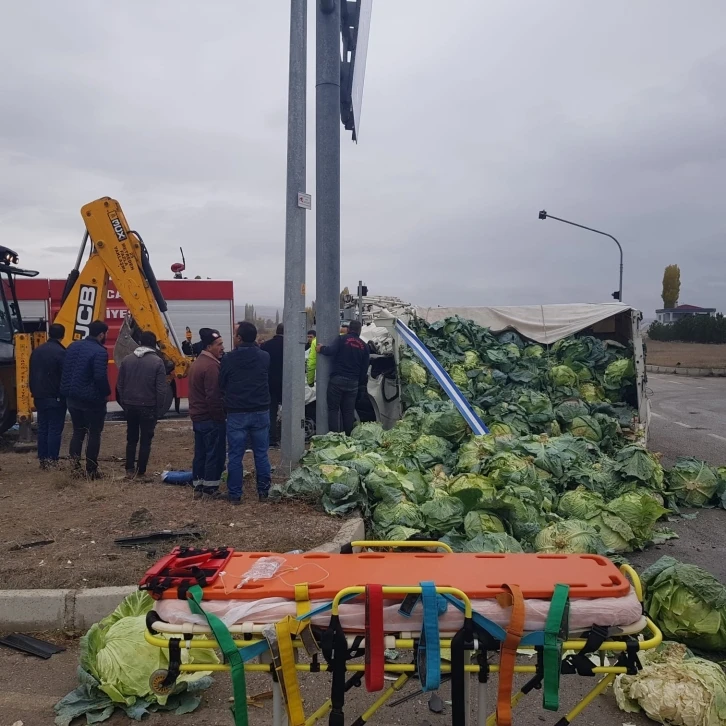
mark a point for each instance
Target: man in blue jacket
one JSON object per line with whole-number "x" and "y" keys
{"x": 243, "y": 379}
{"x": 348, "y": 376}
{"x": 46, "y": 370}
{"x": 85, "y": 387}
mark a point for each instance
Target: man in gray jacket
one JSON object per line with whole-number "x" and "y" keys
{"x": 142, "y": 390}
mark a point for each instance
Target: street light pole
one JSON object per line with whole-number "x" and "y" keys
{"x": 293, "y": 359}
{"x": 327, "y": 184}
{"x": 544, "y": 215}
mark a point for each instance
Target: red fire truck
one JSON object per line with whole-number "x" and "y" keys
{"x": 192, "y": 304}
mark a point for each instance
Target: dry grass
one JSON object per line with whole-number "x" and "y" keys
{"x": 84, "y": 517}
{"x": 686, "y": 355}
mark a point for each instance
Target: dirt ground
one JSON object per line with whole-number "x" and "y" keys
{"x": 84, "y": 517}
{"x": 687, "y": 355}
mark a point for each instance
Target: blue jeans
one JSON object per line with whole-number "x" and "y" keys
{"x": 244, "y": 428}
{"x": 209, "y": 451}
{"x": 51, "y": 419}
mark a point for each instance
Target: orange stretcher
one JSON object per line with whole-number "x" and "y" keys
{"x": 478, "y": 575}
{"x": 427, "y": 576}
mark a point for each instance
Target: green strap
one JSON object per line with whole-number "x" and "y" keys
{"x": 555, "y": 627}
{"x": 230, "y": 651}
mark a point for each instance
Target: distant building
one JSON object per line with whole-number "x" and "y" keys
{"x": 670, "y": 315}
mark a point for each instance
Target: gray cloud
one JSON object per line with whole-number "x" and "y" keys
{"x": 474, "y": 118}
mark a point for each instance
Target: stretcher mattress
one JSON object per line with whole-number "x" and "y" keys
{"x": 584, "y": 613}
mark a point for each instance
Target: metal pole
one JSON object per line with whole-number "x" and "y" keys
{"x": 293, "y": 316}
{"x": 327, "y": 216}
{"x": 360, "y": 301}
{"x": 545, "y": 215}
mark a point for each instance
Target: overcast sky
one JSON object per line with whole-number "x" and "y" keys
{"x": 475, "y": 116}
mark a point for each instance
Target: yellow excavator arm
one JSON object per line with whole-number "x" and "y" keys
{"x": 118, "y": 253}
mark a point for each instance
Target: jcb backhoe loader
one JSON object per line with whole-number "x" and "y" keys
{"x": 118, "y": 253}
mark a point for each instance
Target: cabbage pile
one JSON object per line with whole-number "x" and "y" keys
{"x": 560, "y": 471}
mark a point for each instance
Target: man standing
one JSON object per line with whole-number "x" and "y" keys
{"x": 141, "y": 390}
{"x": 85, "y": 386}
{"x": 206, "y": 411}
{"x": 245, "y": 388}
{"x": 46, "y": 370}
{"x": 311, "y": 338}
{"x": 348, "y": 375}
{"x": 273, "y": 348}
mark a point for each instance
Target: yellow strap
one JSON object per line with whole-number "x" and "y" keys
{"x": 287, "y": 673}
{"x": 302, "y": 599}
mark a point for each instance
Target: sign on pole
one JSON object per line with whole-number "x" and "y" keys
{"x": 356, "y": 24}
{"x": 305, "y": 201}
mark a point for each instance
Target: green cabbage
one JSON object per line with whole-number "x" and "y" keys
{"x": 570, "y": 409}
{"x": 474, "y": 452}
{"x": 640, "y": 511}
{"x": 498, "y": 542}
{"x": 443, "y": 514}
{"x": 116, "y": 656}
{"x": 590, "y": 392}
{"x": 580, "y": 504}
{"x": 413, "y": 372}
{"x": 634, "y": 462}
{"x": 619, "y": 373}
{"x": 458, "y": 375}
{"x": 615, "y": 533}
{"x": 368, "y": 434}
{"x": 571, "y": 536}
{"x": 687, "y": 603}
{"x": 407, "y": 514}
{"x": 399, "y": 533}
{"x": 471, "y": 360}
{"x": 478, "y": 522}
{"x": 533, "y": 351}
{"x": 587, "y": 427}
{"x": 675, "y": 688}
{"x": 692, "y": 482}
{"x": 563, "y": 376}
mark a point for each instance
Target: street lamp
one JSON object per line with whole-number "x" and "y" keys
{"x": 617, "y": 295}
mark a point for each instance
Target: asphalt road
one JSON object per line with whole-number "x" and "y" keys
{"x": 688, "y": 417}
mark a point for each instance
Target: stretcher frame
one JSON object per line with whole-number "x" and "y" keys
{"x": 624, "y": 641}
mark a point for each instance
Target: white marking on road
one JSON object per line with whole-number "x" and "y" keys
{"x": 685, "y": 426}
{"x": 657, "y": 415}
{"x": 716, "y": 436}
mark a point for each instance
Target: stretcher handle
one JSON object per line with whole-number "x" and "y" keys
{"x": 404, "y": 591}
{"x": 401, "y": 543}
{"x": 632, "y": 575}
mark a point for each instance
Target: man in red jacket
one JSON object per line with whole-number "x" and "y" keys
{"x": 206, "y": 411}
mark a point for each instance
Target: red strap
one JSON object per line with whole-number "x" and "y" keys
{"x": 374, "y": 657}
{"x": 508, "y": 656}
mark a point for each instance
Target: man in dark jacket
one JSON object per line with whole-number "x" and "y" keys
{"x": 245, "y": 387}
{"x": 206, "y": 411}
{"x": 348, "y": 376}
{"x": 46, "y": 370}
{"x": 142, "y": 389}
{"x": 85, "y": 387}
{"x": 273, "y": 347}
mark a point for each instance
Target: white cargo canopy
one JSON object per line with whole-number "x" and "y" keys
{"x": 542, "y": 323}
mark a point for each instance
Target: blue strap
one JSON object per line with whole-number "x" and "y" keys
{"x": 252, "y": 651}
{"x": 429, "y": 648}
{"x": 534, "y": 638}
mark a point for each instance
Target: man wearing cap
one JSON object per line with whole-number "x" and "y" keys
{"x": 206, "y": 411}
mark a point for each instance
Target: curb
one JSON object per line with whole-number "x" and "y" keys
{"x": 33, "y": 611}
{"x": 693, "y": 372}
